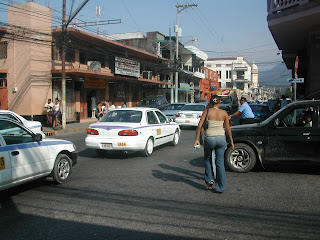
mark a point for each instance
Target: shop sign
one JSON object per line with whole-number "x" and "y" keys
{"x": 127, "y": 67}
{"x": 225, "y": 92}
{"x": 184, "y": 86}
{"x": 94, "y": 83}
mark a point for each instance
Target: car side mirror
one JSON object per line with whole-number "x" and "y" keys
{"x": 276, "y": 122}
{"x": 38, "y": 137}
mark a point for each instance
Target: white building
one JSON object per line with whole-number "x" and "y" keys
{"x": 235, "y": 73}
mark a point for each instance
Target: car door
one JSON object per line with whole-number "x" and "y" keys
{"x": 29, "y": 158}
{"x": 290, "y": 139}
{"x": 5, "y": 164}
{"x": 155, "y": 127}
{"x": 166, "y": 129}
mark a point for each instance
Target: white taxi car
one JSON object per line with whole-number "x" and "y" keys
{"x": 35, "y": 126}
{"x": 132, "y": 129}
{"x": 190, "y": 114}
{"x": 25, "y": 156}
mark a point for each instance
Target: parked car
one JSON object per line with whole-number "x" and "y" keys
{"x": 35, "y": 126}
{"x": 25, "y": 156}
{"x": 261, "y": 112}
{"x": 158, "y": 101}
{"x": 172, "y": 110}
{"x": 132, "y": 129}
{"x": 190, "y": 114}
{"x": 291, "y": 134}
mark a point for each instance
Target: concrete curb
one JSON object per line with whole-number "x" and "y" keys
{"x": 57, "y": 132}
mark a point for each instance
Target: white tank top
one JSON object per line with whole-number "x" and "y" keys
{"x": 215, "y": 128}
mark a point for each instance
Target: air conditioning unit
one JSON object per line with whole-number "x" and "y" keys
{"x": 147, "y": 74}
{"x": 94, "y": 66}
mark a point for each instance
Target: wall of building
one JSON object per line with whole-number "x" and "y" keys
{"x": 29, "y": 58}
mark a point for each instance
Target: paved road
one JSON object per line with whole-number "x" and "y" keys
{"x": 162, "y": 197}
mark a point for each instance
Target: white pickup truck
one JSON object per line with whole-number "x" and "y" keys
{"x": 25, "y": 156}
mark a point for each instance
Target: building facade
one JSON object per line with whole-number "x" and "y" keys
{"x": 31, "y": 67}
{"x": 294, "y": 26}
{"x": 234, "y": 73}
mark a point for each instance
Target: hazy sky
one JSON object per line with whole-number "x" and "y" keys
{"x": 225, "y": 28}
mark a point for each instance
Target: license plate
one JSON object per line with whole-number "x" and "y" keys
{"x": 106, "y": 145}
{"x": 122, "y": 144}
{"x": 187, "y": 121}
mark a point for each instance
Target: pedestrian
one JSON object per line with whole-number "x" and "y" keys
{"x": 277, "y": 105}
{"x": 247, "y": 116}
{"x": 49, "y": 112}
{"x": 124, "y": 105}
{"x": 56, "y": 113}
{"x": 214, "y": 143}
{"x": 112, "y": 107}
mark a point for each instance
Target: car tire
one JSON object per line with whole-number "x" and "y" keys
{"x": 175, "y": 139}
{"x": 240, "y": 159}
{"x": 62, "y": 168}
{"x": 148, "y": 150}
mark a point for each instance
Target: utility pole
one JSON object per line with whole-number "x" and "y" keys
{"x": 171, "y": 73}
{"x": 180, "y": 8}
{"x": 65, "y": 23}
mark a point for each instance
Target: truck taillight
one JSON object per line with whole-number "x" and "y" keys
{"x": 200, "y": 115}
{"x": 177, "y": 115}
{"x": 128, "y": 133}
{"x": 91, "y": 131}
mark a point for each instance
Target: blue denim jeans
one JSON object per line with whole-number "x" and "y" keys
{"x": 214, "y": 148}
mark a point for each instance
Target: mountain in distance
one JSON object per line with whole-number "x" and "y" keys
{"x": 277, "y": 77}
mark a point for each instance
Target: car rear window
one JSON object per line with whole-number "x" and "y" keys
{"x": 257, "y": 108}
{"x": 131, "y": 116}
{"x": 193, "y": 108}
{"x": 175, "y": 107}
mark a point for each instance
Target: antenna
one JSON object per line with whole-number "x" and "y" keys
{"x": 98, "y": 14}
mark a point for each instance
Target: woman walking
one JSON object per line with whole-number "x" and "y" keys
{"x": 214, "y": 143}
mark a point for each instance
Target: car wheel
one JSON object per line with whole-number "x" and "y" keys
{"x": 175, "y": 139}
{"x": 148, "y": 150}
{"x": 240, "y": 159}
{"x": 62, "y": 169}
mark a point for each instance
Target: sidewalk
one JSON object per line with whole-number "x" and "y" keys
{"x": 70, "y": 127}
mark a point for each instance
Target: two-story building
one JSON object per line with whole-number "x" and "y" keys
{"x": 31, "y": 66}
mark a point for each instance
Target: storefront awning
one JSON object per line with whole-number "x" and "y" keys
{"x": 186, "y": 90}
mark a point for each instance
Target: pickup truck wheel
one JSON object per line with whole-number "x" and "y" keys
{"x": 62, "y": 168}
{"x": 240, "y": 159}
{"x": 148, "y": 150}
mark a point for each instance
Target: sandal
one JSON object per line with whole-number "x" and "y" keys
{"x": 209, "y": 185}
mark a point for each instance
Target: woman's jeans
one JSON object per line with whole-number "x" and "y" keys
{"x": 214, "y": 148}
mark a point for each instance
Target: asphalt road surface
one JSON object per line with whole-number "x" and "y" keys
{"x": 162, "y": 197}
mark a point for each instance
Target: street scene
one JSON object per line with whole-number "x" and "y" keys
{"x": 159, "y": 120}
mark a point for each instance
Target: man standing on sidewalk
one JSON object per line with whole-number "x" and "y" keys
{"x": 245, "y": 110}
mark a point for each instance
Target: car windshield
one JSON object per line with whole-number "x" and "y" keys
{"x": 193, "y": 108}
{"x": 259, "y": 108}
{"x": 130, "y": 116}
{"x": 225, "y": 99}
{"x": 175, "y": 106}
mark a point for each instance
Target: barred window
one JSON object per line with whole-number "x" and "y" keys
{"x": 3, "y": 50}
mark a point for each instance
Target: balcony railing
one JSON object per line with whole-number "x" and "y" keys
{"x": 275, "y": 6}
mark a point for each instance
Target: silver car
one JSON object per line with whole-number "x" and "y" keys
{"x": 172, "y": 110}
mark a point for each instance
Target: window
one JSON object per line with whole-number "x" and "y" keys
{"x": 161, "y": 117}
{"x": 228, "y": 74}
{"x": 240, "y": 74}
{"x": 70, "y": 55}
{"x": 152, "y": 118}
{"x": 219, "y": 72}
{"x": 8, "y": 115}
{"x": 3, "y": 50}
{"x": 300, "y": 117}
{"x": 13, "y": 134}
